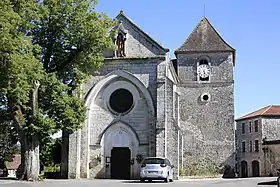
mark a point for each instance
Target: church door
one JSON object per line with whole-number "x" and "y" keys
{"x": 120, "y": 163}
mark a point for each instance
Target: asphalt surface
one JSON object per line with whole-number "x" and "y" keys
{"x": 249, "y": 182}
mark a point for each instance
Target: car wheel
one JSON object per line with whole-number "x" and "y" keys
{"x": 171, "y": 178}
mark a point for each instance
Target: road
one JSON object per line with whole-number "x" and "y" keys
{"x": 249, "y": 182}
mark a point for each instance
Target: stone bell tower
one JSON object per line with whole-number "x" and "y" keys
{"x": 205, "y": 65}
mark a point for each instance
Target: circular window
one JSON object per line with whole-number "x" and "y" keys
{"x": 121, "y": 100}
{"x": 205, "y": 97}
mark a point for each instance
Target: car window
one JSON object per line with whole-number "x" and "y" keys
{"x": 167, "y": 162}
{"x": 153, "y": 161}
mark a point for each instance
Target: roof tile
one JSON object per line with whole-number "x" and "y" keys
{"x": 271, "y": 110}
{"x": 204, "y": 38}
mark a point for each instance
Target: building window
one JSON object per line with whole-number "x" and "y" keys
{"x": 251, "y": 146}
{"x": 250, "y": 126}
{"x": 243, "y": 128}
{"x": 121, "y": 100}
{"x": 205, "y": 97}
{"x": 256, "y": 125}
{"x": 256, "y": 145}
{"x": 244, "y": 147}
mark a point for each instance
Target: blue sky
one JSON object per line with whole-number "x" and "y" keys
{"x": 250, "y": 26}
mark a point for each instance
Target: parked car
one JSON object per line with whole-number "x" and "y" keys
{"x": 156, "y": 168}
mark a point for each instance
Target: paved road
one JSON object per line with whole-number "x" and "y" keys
{"x": 250, "y": 182}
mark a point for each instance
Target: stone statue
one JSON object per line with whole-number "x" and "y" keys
{"x": 121, "y": 45}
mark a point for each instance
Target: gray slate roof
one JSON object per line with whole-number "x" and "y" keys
{"x": 204, "y": 38}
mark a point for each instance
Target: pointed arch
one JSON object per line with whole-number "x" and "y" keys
{"x": 92, "y": 94}
{"x": 120, "y": 123}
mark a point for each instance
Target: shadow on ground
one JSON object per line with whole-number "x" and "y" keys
{"x": 268, "y": 183}
{"x": 138, "y": 181}
{"x": 8, "y": 178}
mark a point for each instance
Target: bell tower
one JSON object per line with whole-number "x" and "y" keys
{"x": 205, "y": 65}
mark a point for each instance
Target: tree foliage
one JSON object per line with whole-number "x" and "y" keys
{"x": 50, "y": 151}
{"x": 47, "y": 49}
{"x": 72, "y": 37}
{"x": 8, "y": 141}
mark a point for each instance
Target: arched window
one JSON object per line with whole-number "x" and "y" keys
{"x": 203, "y": 70}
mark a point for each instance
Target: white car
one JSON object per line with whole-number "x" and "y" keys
{"x": 156, "y": 168}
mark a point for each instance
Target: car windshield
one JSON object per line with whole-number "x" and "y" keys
{"x": 153, "y": 161}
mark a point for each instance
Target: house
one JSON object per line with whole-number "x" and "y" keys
{"x": 257, "y": 142}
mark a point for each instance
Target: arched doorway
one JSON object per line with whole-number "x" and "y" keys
{"x": 255, "y": 168}
{"x": 244, "y": 169}
{"x": 120, "y": 163}
{"x": 120, "y": 145}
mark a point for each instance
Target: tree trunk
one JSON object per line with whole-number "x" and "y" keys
{"x": 32, "y": 151}
{"x": 33, "y": 160}
{"x": 30, "y": 159}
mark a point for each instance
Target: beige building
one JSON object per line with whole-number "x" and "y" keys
{"x": 258, "y": 142}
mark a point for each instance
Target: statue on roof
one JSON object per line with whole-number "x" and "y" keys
{"x": 121, "y": 45}
{"x": 120, "y": 40}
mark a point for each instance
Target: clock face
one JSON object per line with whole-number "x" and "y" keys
{"x": 203, "y": 70}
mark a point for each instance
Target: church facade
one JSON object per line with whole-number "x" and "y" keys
{"x": 143, "y": 104}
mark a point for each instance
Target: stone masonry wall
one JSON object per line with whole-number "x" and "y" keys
{"x": 141, "y": 119}
{"x": 221, "y": 67}
{"x": 161, "y": 111}
{"x": 270, "y": 128}
{"x": 208, "y": 127}
{"x": 172, "y": 128}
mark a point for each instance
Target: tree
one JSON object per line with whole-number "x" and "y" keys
{"x": 8, "y": 140}
{"x": 76, "y": 37}
{"x": 47, "y": 49}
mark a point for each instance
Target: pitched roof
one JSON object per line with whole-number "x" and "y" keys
{"x": 15, "y": 163}
{"x": 271, "y": 110}
{"x": 121, "y": 14}
{"x": 204, "y": 38}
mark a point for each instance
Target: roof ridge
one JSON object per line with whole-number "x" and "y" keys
{"x": 145, "y": 33}
{"x": 264, "y": 111}
{"x": 268, "y": 107}
{"x": 218, "y": 33}
{"x": 189, "y": 35}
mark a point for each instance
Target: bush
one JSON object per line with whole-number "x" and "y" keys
{"x": 203, "y": 167}
{"x": 181, "y": 172}
{"x": 52, "y": 168}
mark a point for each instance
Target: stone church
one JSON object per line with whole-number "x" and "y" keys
{"x": 143, "y": 104}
